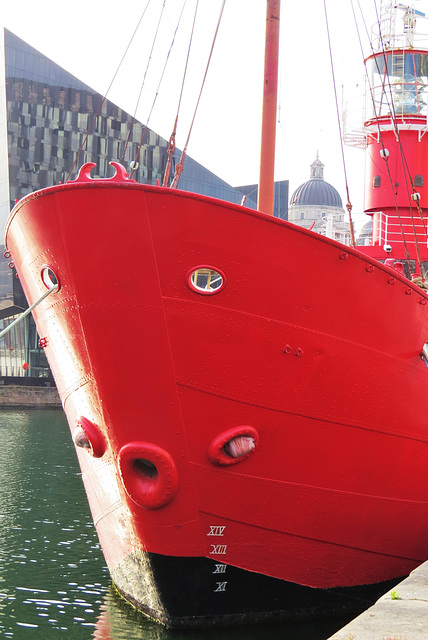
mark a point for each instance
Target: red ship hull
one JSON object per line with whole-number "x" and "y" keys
{"x": 310, "y": 348}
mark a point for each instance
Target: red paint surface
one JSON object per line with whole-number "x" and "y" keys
{"x": 319, "y": 354}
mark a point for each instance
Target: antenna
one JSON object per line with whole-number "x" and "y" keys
{"x": 388, "y": 17}
{"x": 409, "y": 19}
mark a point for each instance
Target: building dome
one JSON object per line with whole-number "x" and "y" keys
{"x": 316, "y": 191}
{"x": 316, "y": 205}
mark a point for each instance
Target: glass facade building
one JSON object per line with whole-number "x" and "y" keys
{"x": 51, "y": 116}
{"x": 52, "y": 123}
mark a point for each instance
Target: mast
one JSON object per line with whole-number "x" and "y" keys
{"x": 270, "y": 90}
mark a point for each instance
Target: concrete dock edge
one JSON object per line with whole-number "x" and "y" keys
{"x": 400, "y": 614}
{"x": 14, "y": 396}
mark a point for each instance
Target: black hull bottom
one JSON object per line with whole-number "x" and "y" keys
{"x": 189, "y": 592}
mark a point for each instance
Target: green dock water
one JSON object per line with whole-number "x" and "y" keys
{"x": 53, "y": 578}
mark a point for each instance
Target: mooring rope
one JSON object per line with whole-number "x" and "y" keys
{"x": 29, "y": 310}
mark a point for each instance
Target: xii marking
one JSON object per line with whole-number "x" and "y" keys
{"x": 220, "y": 568}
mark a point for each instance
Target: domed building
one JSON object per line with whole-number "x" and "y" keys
{"x": 316, "y": 204}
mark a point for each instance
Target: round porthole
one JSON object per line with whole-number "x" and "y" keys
{"x": 49, "y": 278}
{"x": 149, "y": 474}
{"x": 206, "y": 280}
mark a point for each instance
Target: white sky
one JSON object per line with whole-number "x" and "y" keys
{"x": 89, "y": 38}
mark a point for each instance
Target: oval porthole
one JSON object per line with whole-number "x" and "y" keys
{"x": 239, "y": 446}
{"x": 89, "y": 436}
{"x": 206, "y": 280}
{"x": 233, "y": 446}
{"x": 49, "y": 278}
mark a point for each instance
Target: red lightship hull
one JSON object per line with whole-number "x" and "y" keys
{"x": 309, "y": 348}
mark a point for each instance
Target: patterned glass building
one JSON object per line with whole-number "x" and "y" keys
{"x": 50, "y": 124}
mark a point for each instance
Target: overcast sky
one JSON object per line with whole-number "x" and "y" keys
{"x": 89, "y": 39}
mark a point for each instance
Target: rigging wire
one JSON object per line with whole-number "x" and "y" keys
{"x": 135, "y": 164}
{"x": 380, "y": 136}
{"x": 398, "y": 137}
{"x": 391, "y": 107}
{"x": 142, "y": 85}
{"x": 179, "y": 167}
{"x": 106, "y": 93}
{"x": 348, "y": 203}
{"x": 384, "y": 153}
{"x": 414, "y": 195}
{"x": 157, "y": 92}
{"x": 137, "y": 155}
{"x": 171, "y": 143}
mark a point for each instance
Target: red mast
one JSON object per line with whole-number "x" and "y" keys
{"x": 270, "y": 89}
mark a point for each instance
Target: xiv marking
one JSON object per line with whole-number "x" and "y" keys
{"x": 216, "y": 531}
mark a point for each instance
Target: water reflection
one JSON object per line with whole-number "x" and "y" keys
{"x": 52, "y": 573}
{"x": 53, "y": 579}
{"x": 118, "y": 621}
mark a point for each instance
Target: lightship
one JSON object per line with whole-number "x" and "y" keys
{"x": 251, "y": 426}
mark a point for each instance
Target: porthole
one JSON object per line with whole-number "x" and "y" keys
{"x": 233, "y": 446}
{"x": 49, "y": 278}
{"x": 206, "y": 280}
{"x": 148, "y": 473}
{"x": 239, "y": 446}
{"x": 146, "y": 468}
{"x": 89, "y": 436}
